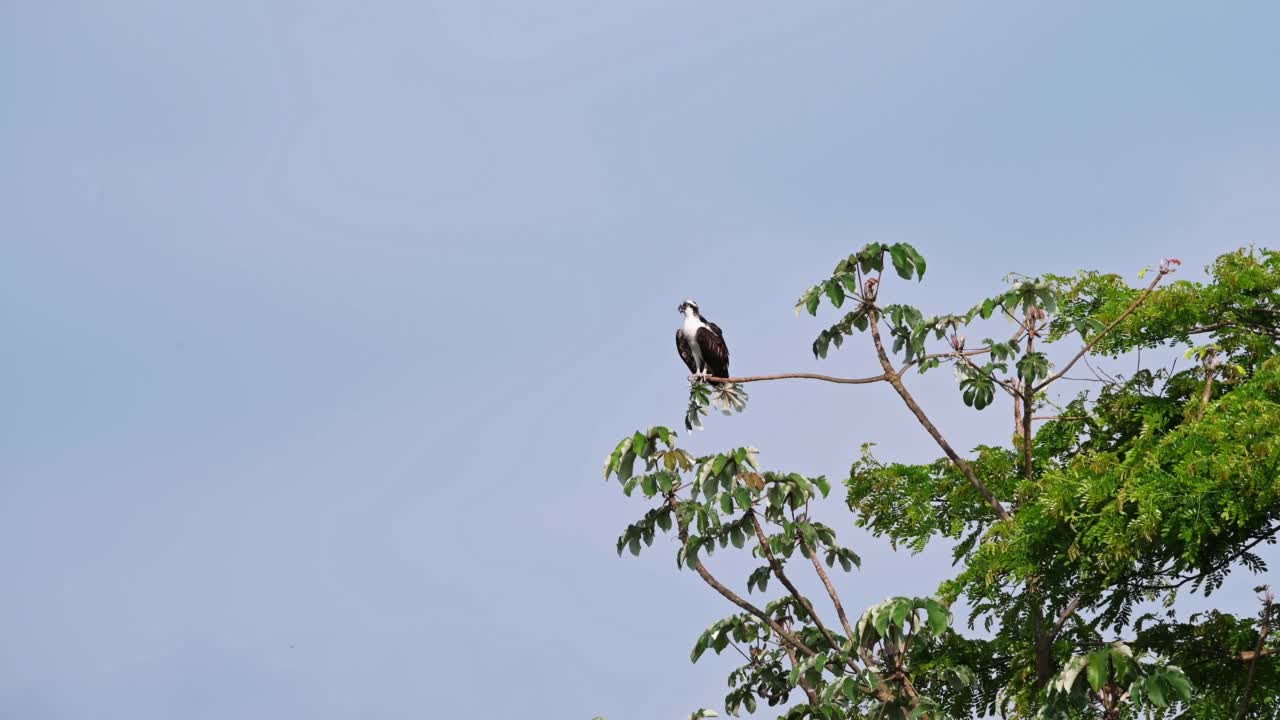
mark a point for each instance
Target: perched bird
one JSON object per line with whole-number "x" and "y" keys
{"x": 701, "y": 344}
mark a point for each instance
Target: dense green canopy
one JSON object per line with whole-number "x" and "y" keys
{"x": 1158, "y": 482}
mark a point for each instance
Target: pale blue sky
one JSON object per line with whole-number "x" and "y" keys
{"x": 318, "y": 318}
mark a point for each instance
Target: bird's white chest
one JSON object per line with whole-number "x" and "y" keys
{"x": 690, "y": 330}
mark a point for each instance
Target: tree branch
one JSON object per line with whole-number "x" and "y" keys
{"x": 928, "y": 425}
{"x": 1089, "y": 345}
{"x": 782, "y": 577}
{"x": 1066, "y": 614}
{"x": 831, "y": 589}
{"x": 728, "y": 594}
{"x": 804, "y": 684}
{"x": 799, "y": 376}
{"x": 1225, "y": 562}
{"x": 1267, "y": 599}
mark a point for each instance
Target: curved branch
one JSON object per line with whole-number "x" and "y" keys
{"x": 798, "y": 376}
{"x": 929, "y": 427}
{"x": 782, "y": 577}
{"x": 728, "y": 594}
{"x": 1089, "y": 345}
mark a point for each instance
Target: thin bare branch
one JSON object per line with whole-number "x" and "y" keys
{"x": 799, "y": 376}
{"x": 1105, "y": 331}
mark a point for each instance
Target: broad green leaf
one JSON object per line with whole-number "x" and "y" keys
{"x": 835, "y": 293}
{"x": 1098, "y": 666}
{"x": 626, "y": 466}
{"x": 938, "y": 616}
{"x": 900, "y": 610}
{"x": 664, "y": 520}
{"x": 718, "y": 466}
{"x": 823, "y": 485}
{"x": 918, "y": 260}
{"x": 1155, "y": 692}
{"x": 901, "y": 263}
{"x": 649, "y": 485}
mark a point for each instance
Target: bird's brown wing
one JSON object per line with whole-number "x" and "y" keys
{"x": 682, "y": 347}
{"x": 715, "y": 353}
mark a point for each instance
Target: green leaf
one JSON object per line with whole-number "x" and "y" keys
{"x": 918, "y": 260}
{"x": 901, "y": 262}
{"x": 835, "y": 293}
{"x": 1179, "y": 683}
{"x": 823, "y": 484}
{"x": 900, "y": 610}
{"x": 701, "y": 646}
{"x": 626, "y": 466}
{"x": 664, "y": 520}
{"x": 1098, "y": 667}
{"x": 776, "y": 496}
{"x": 649, "y": 485}
{"x": 1155, "y": 692}
{"x": 726, "y": 503}
{"x": 811, "y": 304}
{"x": 634, "y": 545}
{"x": 880, "y": 618}
{"x": 743, "y": 497}
{"x": 938, "y": 619}
{"x": 718, "y": 466}
{"x": 638, "y": 443}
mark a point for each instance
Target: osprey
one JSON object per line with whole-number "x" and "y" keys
{"x": 701, "y": 344}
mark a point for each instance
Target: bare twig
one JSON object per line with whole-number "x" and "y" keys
{"x": 799, "y": 376}
{"x": 1089, "y": 345}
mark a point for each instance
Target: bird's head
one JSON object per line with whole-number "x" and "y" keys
{"x": 688, "y": 307}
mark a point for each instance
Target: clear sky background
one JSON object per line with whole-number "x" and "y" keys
{"x": 319, "y": 318}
